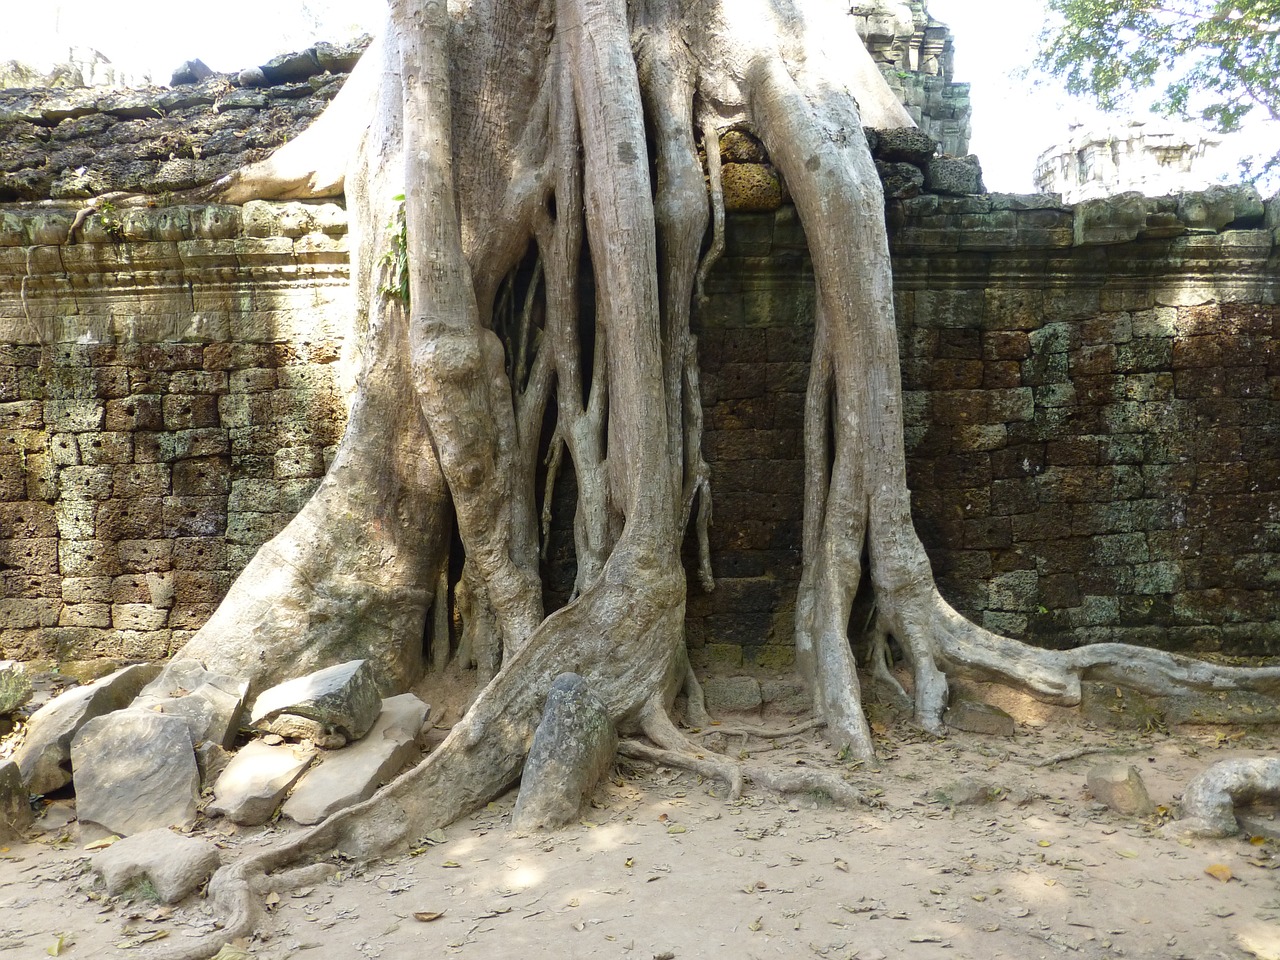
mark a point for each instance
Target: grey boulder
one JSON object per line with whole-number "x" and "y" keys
{"x": 572, "y": 749}
{"x": 250, "y": 789}
{"x": 15, "y": 687}
{"x": 175, "y": 865}
{"x": 44, "y": 757}
{"x": 15, "y": 808}
{"x": 343, "y": 698}
{"x": 135, "y": 770}
{"x": 1120, "y": 787}
{"x": 210, "y": 703}
{"x": 345, "y": 777}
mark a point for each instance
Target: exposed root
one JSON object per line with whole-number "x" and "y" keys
{"x": 792, "y": 780}
{"x": 715, "y": 189}
{"x": 696, "y": 709}
{"x": 1208, "y": 803}
{"x": 708, "y": 768}
{"x": 763, "y": 733}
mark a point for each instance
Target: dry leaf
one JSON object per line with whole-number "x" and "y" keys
{"x": 756, "y": 924}
{"x": 1128, "y": 854}
{"x": 101, "y": 844}
{"x": 579, "y": 926}
{"x": 629, "y": 862}
{"x": 56, "y": 949}
{"x": 676, "y": 828}
{"x": 230, "y": 951}
{"x": 1044, "y": 843}
{"x": 451, "y": 864}
{"x": 426, "y": 916}
{"x": 573, "y": 902}
{"x": 1258, "y": 841}
{"x": 842, "y": 865}
{"x": 271, "y": 900}
{"x": 1219, "y": 871}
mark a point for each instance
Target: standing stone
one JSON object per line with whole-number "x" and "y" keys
{"x": 572, "y": 749}
{"x": 345, "y": 777}
{"x": 135, "y": 770}
{"x": 210, "y": 703}
{"x": 1120, "y": 787}
{"x": 44, "y": 757}
{"x": 15, "y": 808}
{"x": 344, "y": 698}
{"x": 15, "y": 687}
{"x": 175, "y": 865}
{"x": 256, "y": 780}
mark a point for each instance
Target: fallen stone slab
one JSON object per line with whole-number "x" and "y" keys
{"x": 45, "y": 756}
{"x": 965, "y": 792}
{"x": 174, "y": 865}
{"x": 975, "y": 716}
{"x": 572, "y": 749}
{"x": 15, "y": 806}
{"x": 135, "y": 770}
{"x": 1120, "y": 787}
{"x": 255, "y": 781}
{"x": 343, "y": 698}
{"x": 15, "y": 687}
{"x": 344, "y": 777}
{"x": 212, "y": 704}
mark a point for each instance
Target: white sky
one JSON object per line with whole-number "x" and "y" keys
{"x": 1012, "y": 121}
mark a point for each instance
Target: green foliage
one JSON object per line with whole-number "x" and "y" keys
{"x": 1213, "y": 61}
{"x": 109, "y": 217}
{"x": 396, "y": 260}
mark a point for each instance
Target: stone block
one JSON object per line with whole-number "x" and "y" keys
{"x": 174, "y": 865}
{"x": 1120, "y": 787}
{"x": 975, "y": 716}
{"x": 138, "y": 616}
{"x": 15, "y": 687}
{"x": 105, "y": 447}
{"x": 734, "y": 694}
{"x": 135, "y": 770}
{"x": 210, "y": 703}
{"x": 143, "y": 556}
{"x": 1117, "y": 219}
{"x": 343, "y": 698}
{"x": 257, "y": 779}
{"x": 954, "y": 176}
{"x": 15, "y": 806}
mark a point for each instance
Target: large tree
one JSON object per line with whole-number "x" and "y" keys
{"x": 1215, "y": 61}
{"x": 506, "y": 151}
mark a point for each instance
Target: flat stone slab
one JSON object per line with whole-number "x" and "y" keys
{"x": 212, "y": 704}
{"x": 45, "y": 756}
{"x": 572, "y": 749}
{"x": 1120, "y": 787}
{"x": 975, "y": 716}
{"x": 15, "y": 808}
{"x": 175, "y": 865}
{"x": 343, "y": 698}
{"x": 345, "y": 777}
{"x": 135, "y": 770}
{"x": 15, "y": 687}
{"x": 255, "y": 781}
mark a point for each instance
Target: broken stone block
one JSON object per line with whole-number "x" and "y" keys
{"x": 572, "y": 749}
{"x": 257, "y": 779}
{"x": 175, "y": 865}
{"x": 344, "y": 777}
{"x": 1120, "y": 787}
{"x": 135, "y": 770}
{"x": 954, "y": 176}
{"x": 15, "y": 687}
{"x": 964, "y": 792}
{"x": 300, "y": 728}
{"x": 732, "y": 693}
{"x": 974, "y": 716}
{"x": 15, "y": 807}
{"x": 44, "y": 757}
{"x": 211, "y": 760}
{"x": 344, "y": 698}
{"x": 210, "y": 703}
{"x": 1117, "y": 219}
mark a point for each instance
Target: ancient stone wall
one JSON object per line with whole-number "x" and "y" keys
{"x": 167, "y": 402}
{"x": 1093, "y": 417}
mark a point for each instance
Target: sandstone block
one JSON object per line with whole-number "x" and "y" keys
{"x": 15, "y": 809}
{"x": 44, "y": 757}
{"x": 15, "y": 687}
{"x": 954, "y": 176}
{"x": 345, "y": 777}
{"x": 572, "y": 748}
{"x": 343, "y": 698}
{"x": 135, "y": 770}
{"x": 210, "y": 703}
{"x": 1120, "y": 787}
{"x": 732, "y": 693}
{"x": 175, "y": 865}
{"x": 255, "y": 781}
{"x": 974, "y": 716}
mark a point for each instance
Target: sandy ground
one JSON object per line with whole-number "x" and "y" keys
{"x": 663, "y": 867}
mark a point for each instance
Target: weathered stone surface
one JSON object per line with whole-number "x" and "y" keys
{"x": 735, "y": 694}
{"x": 572, "y": 749}
{"x": 44, "y": 757}
{"x": 1120, "y": 787}
{"x": 256, "y": 780}
{"x": 15, "y": 687}
{"x": 1116, "y": 219}
{"x": 966, "y": 791}
{"x": 751, "y": 187}
{"x": 343, "y": 698}
{"x": 210, "y": 703}
{"x": 907, "y": 143}
{"x": 1209, "y": 802}
{"x": 975, "y": 716}
{"x": 1220, "y": 206}
{"x": 900, "y": 180}
{"x": 211, "y": 760}
{"x": 954, "y": 176}
{"x": 135, "y": 770}
{"x": 175, "y": 865}
{"x": 347, "y": 776}
{"x": 191, "y": 71}
{"x": 15, "y": 808}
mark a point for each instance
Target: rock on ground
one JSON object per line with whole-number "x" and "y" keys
{"x": 210, "y": 703}
{"x": 15, "y": 687}
{"x": 572, "y": 749}
{"x": 1120, "y": 787}
{"x": 175, "y": 865}
{"x": 343, "y": 698}
{"x": 345, "y": 777}
{"x": 15, "y": 810}
{"x": 1208, "y": 803}
{"x": 256, "y": 780}
{"x": 974, "y": 716}
{"x": 44, "y": 757}
{"x": 135, "y": 770}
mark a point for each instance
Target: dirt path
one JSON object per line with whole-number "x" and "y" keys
{"x": 665, "y": 868}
